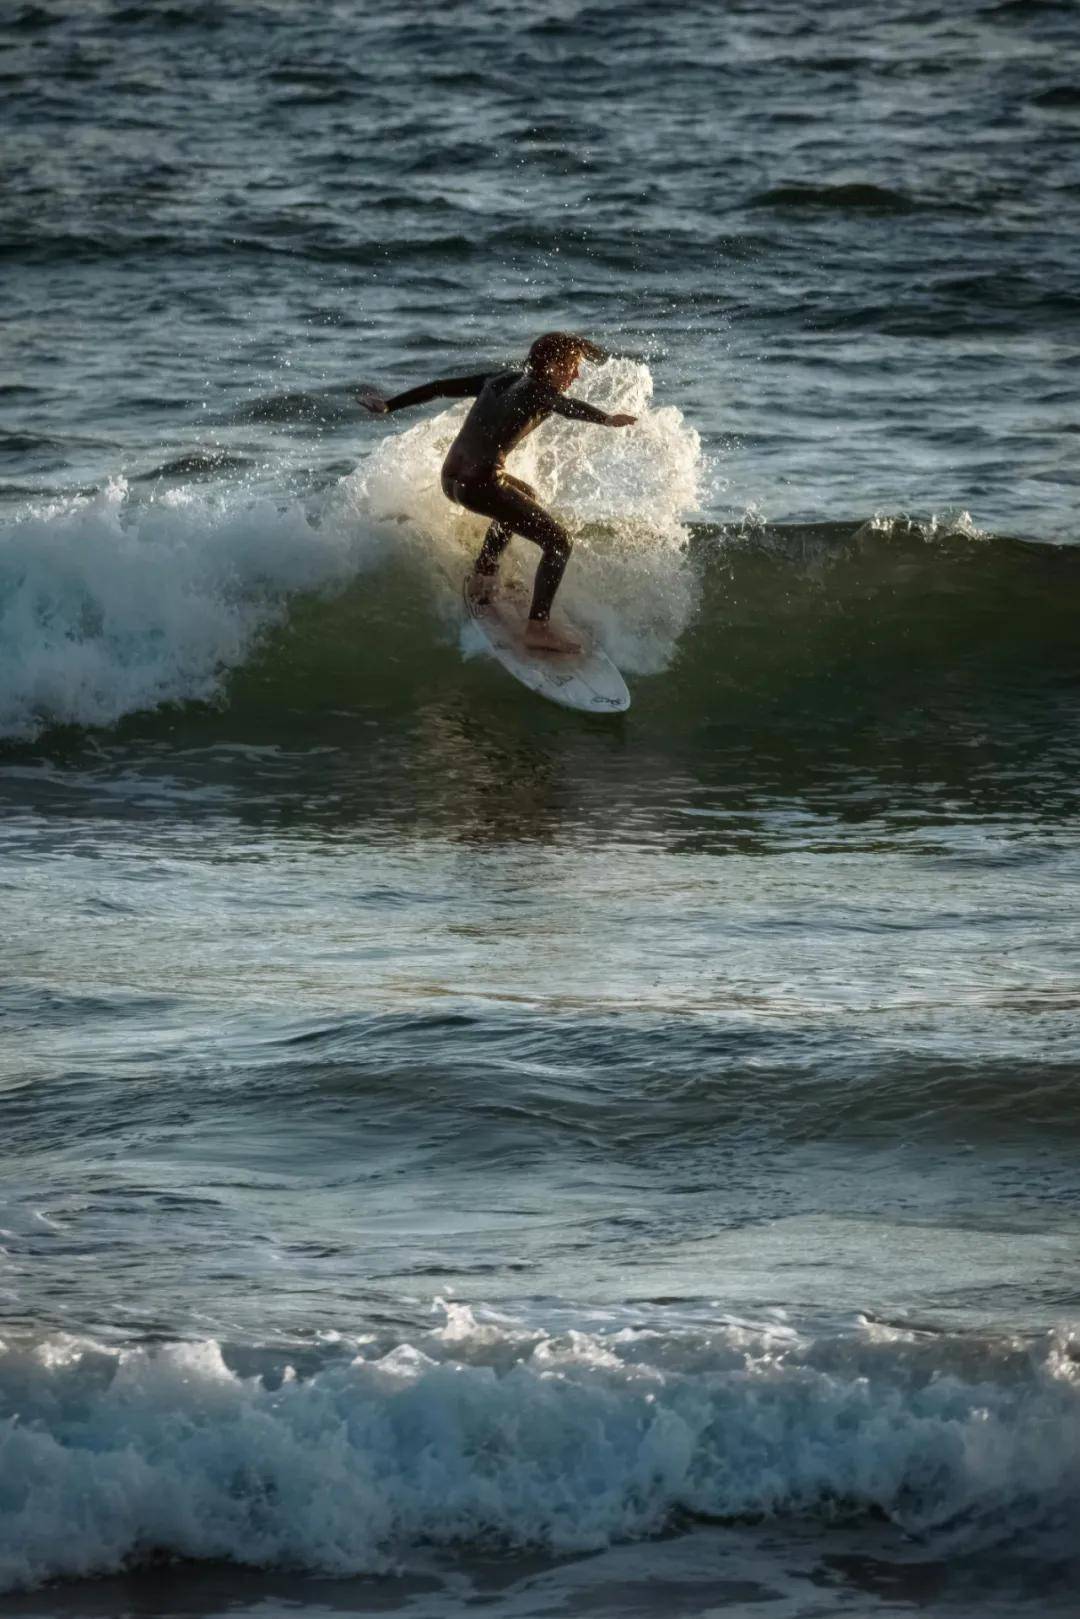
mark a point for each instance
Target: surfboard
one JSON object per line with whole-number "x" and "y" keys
{"x": 587, "y": 680}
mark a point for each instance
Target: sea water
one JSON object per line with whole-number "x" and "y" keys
{"x": 458, "y": 1152}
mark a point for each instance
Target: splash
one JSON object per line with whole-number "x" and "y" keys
{"x": 490, "y": 1431}
{"x": 623, "y": 495}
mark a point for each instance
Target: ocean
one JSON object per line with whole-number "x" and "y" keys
{"x": 458, "y": 1153}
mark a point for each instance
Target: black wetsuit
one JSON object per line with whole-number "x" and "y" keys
{"x": 509, "y": 405}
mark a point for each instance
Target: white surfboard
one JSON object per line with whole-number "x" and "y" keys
{"x": 585, "y": 680}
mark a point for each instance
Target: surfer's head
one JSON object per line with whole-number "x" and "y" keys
{"x": 557, "y": 357}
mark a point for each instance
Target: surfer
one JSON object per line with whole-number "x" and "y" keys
{"x": 509, "y": 405}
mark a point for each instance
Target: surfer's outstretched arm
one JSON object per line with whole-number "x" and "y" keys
{"x": 579, "y": 410}
{"x": 444, "y": 388}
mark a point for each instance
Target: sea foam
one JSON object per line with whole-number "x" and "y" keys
{"x": 110, "y": 604}
{"x": 487, "y": 1432}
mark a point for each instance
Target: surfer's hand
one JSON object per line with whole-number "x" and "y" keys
{"x": 621, "y": 421}
{"x": 373, "y": 402}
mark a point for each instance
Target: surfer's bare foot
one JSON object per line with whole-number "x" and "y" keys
{"x": 540, "y": 637}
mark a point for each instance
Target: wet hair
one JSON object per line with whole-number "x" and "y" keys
{"x": 555, "y": 346}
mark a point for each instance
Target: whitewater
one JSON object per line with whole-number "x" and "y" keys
{"x": 484, "y": 1432}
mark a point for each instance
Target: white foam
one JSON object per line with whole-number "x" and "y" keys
{"x": 624, "y": 494}
{"x": 484, "y": 1431}
{"x": 110, "y": 604}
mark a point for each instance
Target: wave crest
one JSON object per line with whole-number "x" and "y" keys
{"x": 485, "y": 1432}
{"x": 109, "y": 604}
{"x": 126, "y": 601}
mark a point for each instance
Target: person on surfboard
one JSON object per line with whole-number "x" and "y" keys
{"x": 510, "y": 405}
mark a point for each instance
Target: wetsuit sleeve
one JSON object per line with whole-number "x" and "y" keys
{"x": 578, "y": 411}
{"x": 445, "y": 388}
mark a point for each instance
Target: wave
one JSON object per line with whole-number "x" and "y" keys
{"x": 198, "y": 464}
{"x": 124, "y": 601}
{"x": 32, "y": 19}
{"x": 114, "y": 603}
{"x": 859, "y": 195}
{"x": 1062, "y": 95}
{"x": 1026, "y": 9}
{"x": 190, "y": 16}
{"x": 687, "y": 1094}
{"x": 19, "y": 443}
{"x": 109, "y": 605}
{"x": 489, "y": 1432}
{"x": 324, "y": 406}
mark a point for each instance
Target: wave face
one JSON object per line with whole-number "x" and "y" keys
{"x": 117, "y": 602}
{"x": 122, "y": 601}
{"x": 488, "y": 1433}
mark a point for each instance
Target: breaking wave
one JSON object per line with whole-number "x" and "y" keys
{"x": 131, "y": 599}
{"x": 489, "y": 1432}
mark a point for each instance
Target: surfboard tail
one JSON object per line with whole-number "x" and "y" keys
{"x": 587, "y": 681}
